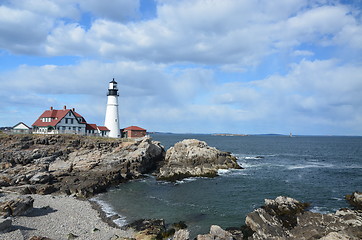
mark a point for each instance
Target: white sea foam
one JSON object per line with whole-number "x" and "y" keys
{"x": 253, "y": 158}
{"x": 109, "y": 211}
{"x": 231, "y": 172}
{"x": 313, "y": 165}
{"x": 322, "y": 210}
{"x": 223, "y": 171}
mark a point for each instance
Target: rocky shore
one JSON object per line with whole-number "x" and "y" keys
{"x": 32, "y": 167}
{"x": 71, "y": 164}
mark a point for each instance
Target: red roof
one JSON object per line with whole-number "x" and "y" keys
{"x": 56, "y": 115}
{"x": 91, "y": 127}
{"x": 101, "y": 128}
{"x": 134, "y": 128}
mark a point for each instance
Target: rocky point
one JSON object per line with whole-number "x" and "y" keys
{"x": 73, "y": 164}
{"x": 194, "y": 158}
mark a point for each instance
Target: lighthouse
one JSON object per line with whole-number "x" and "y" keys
{"x": 112, "y": 119}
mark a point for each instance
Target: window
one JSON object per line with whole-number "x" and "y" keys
{"x": 63, "y": 128}
{"x": 66, "y": 121}
{"x": 71, "y": 121}
{"x": 70, "y": 114}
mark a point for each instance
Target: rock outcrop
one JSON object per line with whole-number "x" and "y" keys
{"x": 355, "y": 199}
{"x": 194, "y": 158}
{"x": 287, "y": 218}
{"x": 216, "y": 232}
{"x": 73, "y": 164}
{"x": 16, "y": 207}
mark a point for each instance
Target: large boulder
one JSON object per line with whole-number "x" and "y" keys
{"x": 182, "y": 234}
{"x": 355, "y": 199}
{"x": 194, "y": 158}
{"x": 287, "y": 218}
{"x": 147, "y": 229}
{"x": 216, "y": 233}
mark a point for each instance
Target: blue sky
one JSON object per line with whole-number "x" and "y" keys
{"x": 202, "y": 66}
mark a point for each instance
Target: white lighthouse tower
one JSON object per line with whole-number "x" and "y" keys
{"x": 112, "y": 119}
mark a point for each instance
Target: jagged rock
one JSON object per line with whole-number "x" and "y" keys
{"x": 148, "y": 228}
{"x": 216, "y": 233}
{"x": 192, "y": 157}
{"x": 41, "y": 177}
{"x": 5, "y": 224}
{"x": 15, "y": 207}
{"x": 286, "y": 218}
{"x": 73, "y": 164}
{"x": 355, "y": 199}
{"x": 335, "y": 236}
{"x": 182, "y": 234}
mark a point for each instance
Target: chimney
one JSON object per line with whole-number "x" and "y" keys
{"x": 65, "y": 107}
{"x": 73, "y": 109}
{"x": 51, "y": 108}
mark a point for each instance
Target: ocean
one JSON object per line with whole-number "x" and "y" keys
{"x": 320, "y": 170}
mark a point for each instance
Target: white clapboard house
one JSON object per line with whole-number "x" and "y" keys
{"x": 21, "y": 128}
{"x": 66, "y": 121}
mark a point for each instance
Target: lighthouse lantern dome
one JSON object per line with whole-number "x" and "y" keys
{"x": 112, "y": 89}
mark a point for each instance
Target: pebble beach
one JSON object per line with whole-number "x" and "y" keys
{"x": 60, "y": 217}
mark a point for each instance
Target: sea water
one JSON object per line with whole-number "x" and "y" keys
{"x": 319, "y": 170}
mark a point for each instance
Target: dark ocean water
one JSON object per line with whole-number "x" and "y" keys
{"x": 319, "y": 170}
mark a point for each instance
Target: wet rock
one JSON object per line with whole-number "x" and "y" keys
{"x": 355, "y": 199}
{"x": 287, "y": 218}
{"x": 148, "y": 228}
{"x": 191, "y": 158}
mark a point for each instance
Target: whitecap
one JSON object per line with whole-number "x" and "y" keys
{"x": 110, "y": 212}
{"x": 231, "y": 172}
{"x": 313, "y": 165}
{"x": 322, "y": 210}
{"x": 223, "y": 171}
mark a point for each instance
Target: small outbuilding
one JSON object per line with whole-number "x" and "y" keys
{"x": 134, "y": 132}
{"x": 21, "y": 128}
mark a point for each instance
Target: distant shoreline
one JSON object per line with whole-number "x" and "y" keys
{"x": 229, "y": 134}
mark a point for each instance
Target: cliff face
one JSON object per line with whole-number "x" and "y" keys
{"x": 73, "y": 164}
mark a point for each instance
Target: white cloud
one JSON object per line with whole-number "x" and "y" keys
{"x": 229, "y": 33}
{"x": 21, "y": 31}
{"x": 193, "y": 67}
{"x": 47, "y": 8}
{"x": 115, "y": 10}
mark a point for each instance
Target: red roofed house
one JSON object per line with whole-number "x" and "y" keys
{"x": 103, "y": 131}
{"x": 65, "y": 121}
{"x": 134, "y": 132}
{"x": 94, "y": 130}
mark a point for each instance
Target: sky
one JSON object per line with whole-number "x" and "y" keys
{"x": 187, "y": 66}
